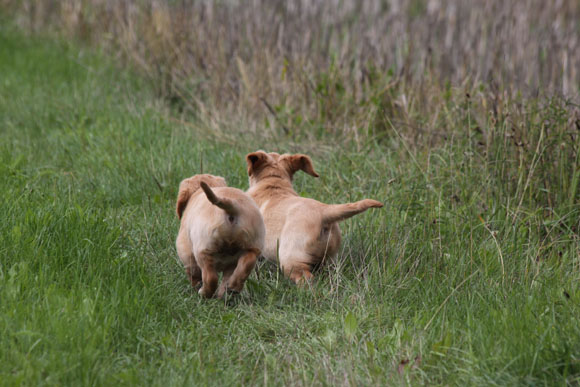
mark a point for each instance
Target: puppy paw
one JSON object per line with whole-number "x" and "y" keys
{"x": 204, "y": 293}
{"x": 196, "y": 285}
{"x": 232, "y": 298}
{"x": 228, "y": 293}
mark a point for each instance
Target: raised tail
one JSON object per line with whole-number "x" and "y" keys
{"x": 337, "y": 212}
{"x": 225, "y": 204}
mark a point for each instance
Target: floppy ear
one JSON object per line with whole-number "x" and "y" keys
{"x": 300, "y": 162}
{"x": 256, "y": 161}
{"x": 186, "y": 188}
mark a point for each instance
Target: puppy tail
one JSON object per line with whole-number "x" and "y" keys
{"x": 225, "y": 204}
{"x": 337, "y": 212}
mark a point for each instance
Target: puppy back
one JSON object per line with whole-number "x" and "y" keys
{"x": 190, "y": 186}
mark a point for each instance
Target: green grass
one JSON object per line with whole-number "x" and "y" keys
{"x": 456, "y": 281}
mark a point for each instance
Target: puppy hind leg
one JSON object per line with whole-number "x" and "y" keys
{"x": 225, "y": 278}
{"x": 243, "y": 270}
{"x": 183, "y": 245}
{"x": 299, "y": 273}
{"x": 209, "y": 276}
{"x": 294, "y": 259}
{"x": 194, "y": 274}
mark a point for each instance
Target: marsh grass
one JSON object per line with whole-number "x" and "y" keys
{"x": 314, "y": 68}
{"x": 496, "y": 79}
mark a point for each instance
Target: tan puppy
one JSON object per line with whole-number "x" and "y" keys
{"x": 221, "y": 230}
{"x": 300, "y": 232}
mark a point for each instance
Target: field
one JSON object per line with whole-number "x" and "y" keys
{"x": 468, "y": 275}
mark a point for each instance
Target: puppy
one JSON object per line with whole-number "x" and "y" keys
{"x": 221, "y": 230}
{"x": 300, "y": 232}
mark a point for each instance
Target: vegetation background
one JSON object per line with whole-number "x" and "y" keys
{"x": 461, "y": 116}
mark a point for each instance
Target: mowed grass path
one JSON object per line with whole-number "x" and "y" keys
{"x": 445, "y": 285}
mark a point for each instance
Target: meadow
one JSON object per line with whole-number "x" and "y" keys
{"x": 468, "y": 276}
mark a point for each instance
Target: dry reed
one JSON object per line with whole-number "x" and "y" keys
{"x": 502, "y": 75}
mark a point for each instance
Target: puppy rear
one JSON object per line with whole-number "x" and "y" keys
{"x": 221, "y": 230}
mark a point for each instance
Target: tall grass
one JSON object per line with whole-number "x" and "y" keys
{"x": 495, "y": 77}
{"x": 329, "y": 63}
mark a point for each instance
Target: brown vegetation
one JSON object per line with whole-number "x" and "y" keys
{"x": 333, "y": 63}
{"x": 500, "y": 77}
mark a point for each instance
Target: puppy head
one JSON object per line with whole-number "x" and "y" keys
{"x": 262, "y": 165}
{"x": 189, "y": 186}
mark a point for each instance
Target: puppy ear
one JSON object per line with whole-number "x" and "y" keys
{"x": 256, "y": 161}
{"x": 182, "y": 199}
{"x": 300, "y": 162}
{"x": 186, "y": 188}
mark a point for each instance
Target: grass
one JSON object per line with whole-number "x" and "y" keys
{"x": 467, "y": 276}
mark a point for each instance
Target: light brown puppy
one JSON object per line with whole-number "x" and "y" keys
{"x": 300, "y": 232}
{"x": 221, "y": 230}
